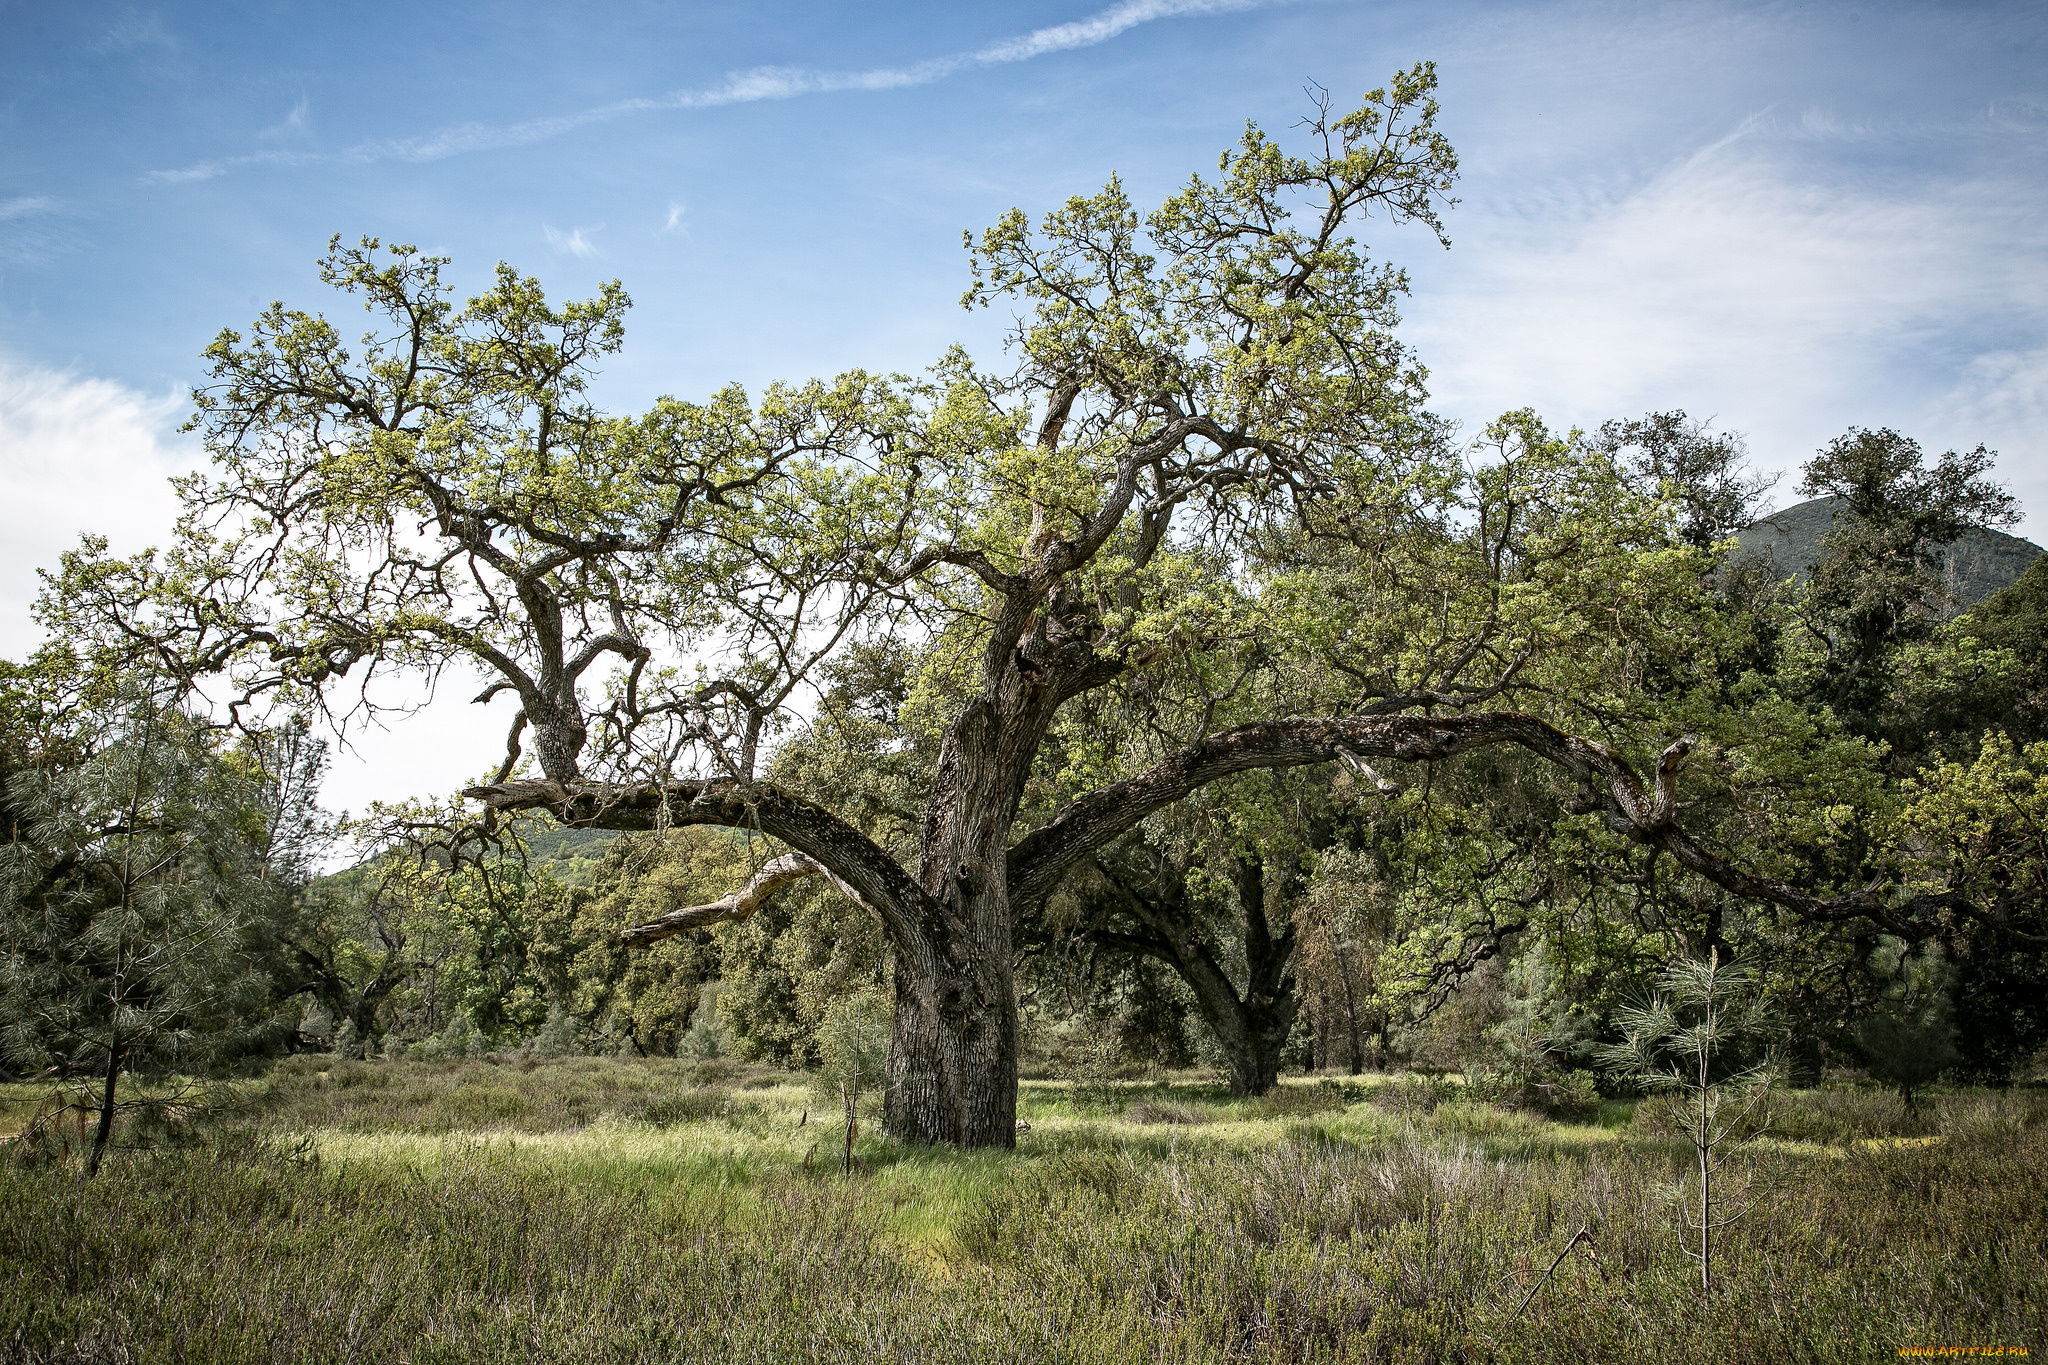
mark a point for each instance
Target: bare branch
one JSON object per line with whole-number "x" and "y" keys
{"x": 741, "y": 904}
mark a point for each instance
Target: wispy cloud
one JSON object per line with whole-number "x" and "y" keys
{"x": 573, "y": 241}
{"x": 1790, "y": 296}
{"x": 29, "y": 231}
{"x": 738, "y": 87}
{"x": 292, "y": 124}
{"x": 677, "y": 210}
{"x": 135, "y": 29}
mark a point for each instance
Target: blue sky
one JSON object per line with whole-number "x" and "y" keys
{"x": 1790, "y": 217}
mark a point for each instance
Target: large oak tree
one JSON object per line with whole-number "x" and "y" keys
{"x": 653, "y": 596}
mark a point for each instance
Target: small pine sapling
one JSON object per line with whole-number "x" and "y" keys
{"x": 1909, "y": 1040}
{"x": 1679, "y": 1044}
{"x": 853, "y": 1039}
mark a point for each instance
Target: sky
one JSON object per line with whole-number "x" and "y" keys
{"x": 1791, "y": 218}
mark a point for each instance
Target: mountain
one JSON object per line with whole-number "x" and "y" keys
{"x": 1978, "y": 565}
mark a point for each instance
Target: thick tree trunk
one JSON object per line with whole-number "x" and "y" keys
{"x": 1251, "y": 1026}
{"x": 1252, "y": 1041}
{"x": 952, "y": 1063}
{"x": 953, "y": 1049}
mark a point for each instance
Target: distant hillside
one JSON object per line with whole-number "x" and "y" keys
{"x": 547, "y": 841}
{"x": 1979, "y": 564}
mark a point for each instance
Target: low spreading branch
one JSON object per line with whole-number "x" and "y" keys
{"x": 738, "y": 905}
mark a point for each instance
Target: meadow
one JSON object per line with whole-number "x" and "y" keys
{"x": 613, "y": 1210}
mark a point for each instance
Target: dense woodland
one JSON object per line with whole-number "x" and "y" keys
{"x": 1182, "y": 694}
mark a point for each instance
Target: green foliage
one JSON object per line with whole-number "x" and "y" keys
{"x": 461, "y": 1041}
{"x": 649, "y": 995}
{"x": 347, "y": 1044}
{"x": 559, "y": 1037}
{"x": 1877, "y": 583}
{"x": 707, "y": 1036}
{"x": 1093, "y": 1069}
{"x": 1909, "y": 1040}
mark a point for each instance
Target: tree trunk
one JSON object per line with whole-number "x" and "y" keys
{"x": 953, "y": 1041}
{"x": 1252, "y": 1026}
{"x": 1252, "y": 1049}
{"x": 1351, "y": 1014}
{"x": 104, "y": 1132}
{"x": 952, "y": 1062}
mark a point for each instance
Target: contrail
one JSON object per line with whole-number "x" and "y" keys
{"x": 738, "y": 87}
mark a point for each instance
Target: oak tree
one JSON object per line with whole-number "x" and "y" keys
{"x": 655, "y": 596}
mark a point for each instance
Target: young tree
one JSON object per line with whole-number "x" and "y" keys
{"x": 853, "y": 1046}
{"x": 132, "y": 889}
{"x": 1679, "y": 1043}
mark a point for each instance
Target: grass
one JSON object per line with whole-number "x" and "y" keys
{"x": 627, "y": 1211}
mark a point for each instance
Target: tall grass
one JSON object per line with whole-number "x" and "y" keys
{"x": 1293, "y": 1231}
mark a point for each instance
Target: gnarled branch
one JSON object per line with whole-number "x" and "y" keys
{"x": 855, "y": 864}
{"x": 1606, "y": 781}
{"x": 741, "y": 904}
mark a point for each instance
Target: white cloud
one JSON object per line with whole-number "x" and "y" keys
{"x": 28, "y": 233}
{"x": 2001, "y": 399}
{"x": 1744, "y": 282}
{"x": 292, "y": 124}
{"x": 573, "y": 241}
{"x": 674, "y": 221}
{"x": 135, "y": 29}
{"x": 82, "y": 455}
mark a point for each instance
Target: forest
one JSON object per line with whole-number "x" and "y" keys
{"x": 1162, "y": 847}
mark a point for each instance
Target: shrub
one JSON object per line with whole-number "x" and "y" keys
{"x": 560, "y": 1036}
{"x": 348, "y": 1044}
{"x": 1908, "y": 1050}
{"x": 688, "y": 1106}
{"x": 1840, "y": 1115}
{"x": 460, "y": 1041}
{"x": 1093, "y": 1070}
{"x": 1413, "y": 1094}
